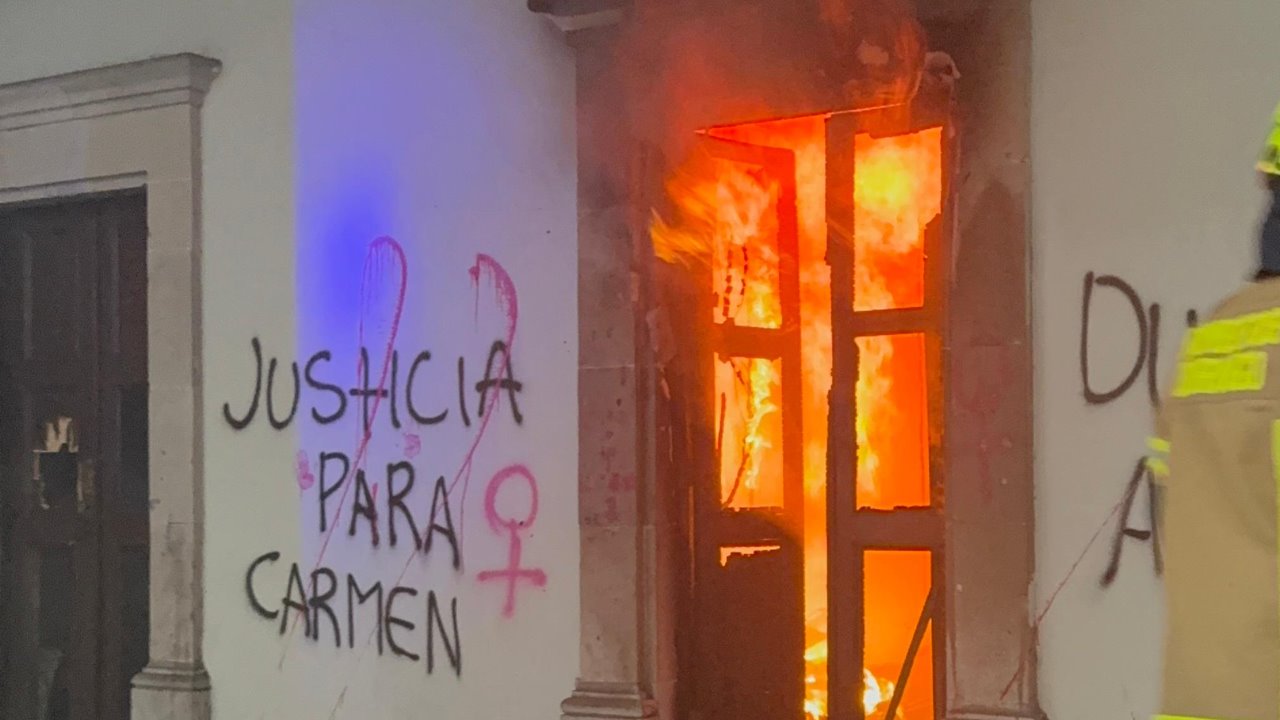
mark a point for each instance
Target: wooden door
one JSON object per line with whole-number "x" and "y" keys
{"x": 73, "y": 482}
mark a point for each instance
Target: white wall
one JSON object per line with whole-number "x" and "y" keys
{"x": 247, "y": 225}
{"x": 449, "y": 127}
{"x": 1147, "y": 116}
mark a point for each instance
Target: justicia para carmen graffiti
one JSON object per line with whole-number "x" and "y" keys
{"x": 406, "y": 401}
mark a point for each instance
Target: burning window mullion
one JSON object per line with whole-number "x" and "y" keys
{"x": 908, "y": 662}
{"x": 871, "y": 327}
{"x": 749, "y": 541}
{"x": 895, "y": 321}
{"x": 913, "y": 528}
{"x": 844, "y": 561}
{"x": 779, "y": 340}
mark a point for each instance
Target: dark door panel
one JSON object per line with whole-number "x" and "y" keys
{"x": 73, "y": 482}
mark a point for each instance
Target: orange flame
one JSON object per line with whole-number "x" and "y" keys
{"x": 874, "y": 691}
{"x": 763, "y": 380}
{"x": 727, "y": 222}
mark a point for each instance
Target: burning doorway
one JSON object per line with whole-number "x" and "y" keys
{"x": 701, "y": 596}
{"x": 809, "y": 254}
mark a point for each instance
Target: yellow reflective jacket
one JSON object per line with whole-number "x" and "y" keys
{"x": 1216, "y": 457}
{"x": 1269, "y": 163}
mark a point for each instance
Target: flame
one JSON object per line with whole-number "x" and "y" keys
{"x": 735, "y": 211}
{"x": 897, "y": 192}
{"x": 763, "y": 380}
{"x": 723, "y": 224}
{"x": 874, "y": 691}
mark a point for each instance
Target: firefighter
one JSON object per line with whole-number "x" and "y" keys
{"x": 1269, "y": 168}
{"x": 1216, "y": 461}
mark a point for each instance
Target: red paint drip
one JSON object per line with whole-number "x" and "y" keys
{"x": 373, "y": 260}
{"x": 382, "y": 252}
{"x": 1035, "y": 626}
{"x": 504, "y": 289}
{"x": 505, "y": 297}
{"x": 412, "y": 445}
{"x": 305, "y": 477}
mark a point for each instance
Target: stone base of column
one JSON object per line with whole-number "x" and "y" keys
{"x": 607, "y": 701}
{"x": 996, "y": 715}
{"x": 171, "y": 691}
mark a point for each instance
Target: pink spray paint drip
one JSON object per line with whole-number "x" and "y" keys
{"x": 306, "y": 478}
{"x": 1033, "y": 636}
{"x": 383, "y": 255}
{"x": 412, "y": 445}
{"x": 513, "y": 573}
{"x": 382, "y": 251}
{"x": 505, "y": 297}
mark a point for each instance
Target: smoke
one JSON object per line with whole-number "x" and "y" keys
{"x": 682, "y": 65}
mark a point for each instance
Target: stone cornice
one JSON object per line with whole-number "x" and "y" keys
{"x": 572, "y": 16}
{"x": 158, "y": 82}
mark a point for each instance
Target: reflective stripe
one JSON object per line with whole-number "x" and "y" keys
{"x": 1159, "y": 445}
{"x": 1242, "y": 372}
{"x": 1223, "y": 337}
{"x": 1158, "y": 467}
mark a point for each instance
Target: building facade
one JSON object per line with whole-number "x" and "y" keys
{"x": 351, "y": 359}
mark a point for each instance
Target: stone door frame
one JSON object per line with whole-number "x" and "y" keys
{"x": 627, "y": 667}
{"x": 131, "y": 126}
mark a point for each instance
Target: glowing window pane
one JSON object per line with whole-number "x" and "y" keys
{"x": 896, "y": 585}
{"x": 749, "y": 431}
{"x": 892, "y": 423}
{"x": 897, "y": 193}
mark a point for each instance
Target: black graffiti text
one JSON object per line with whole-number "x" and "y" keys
{"x": 1145, "y": 346}
{"x": 1141, "y": 478}
{"x": 402, "y": 527}
{"x": 406, "y": 623}
{"x": 411, "y": 388}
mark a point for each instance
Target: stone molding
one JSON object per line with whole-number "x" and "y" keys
{"x": 996, "y": 715}
{"x": 165, "y": 81}
{"x": 570, "y": 16}
{"x": 606, "y": 701}
{"x": 130, "y": 126}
